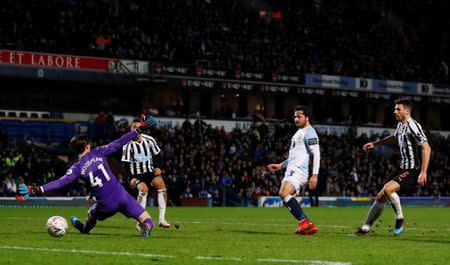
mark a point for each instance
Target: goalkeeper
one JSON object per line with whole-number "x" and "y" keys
{"x": 111, "y": 196}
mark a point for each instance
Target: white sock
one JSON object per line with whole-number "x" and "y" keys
{"x": 162, "y": 204}
{"x": 394, "y": 199}
{"x": 287, "y": 198}
{"x": 142, "y": 199}
{"x": 375, "y": 211}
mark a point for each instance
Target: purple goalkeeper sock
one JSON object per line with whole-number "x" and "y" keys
{"x": 148, "y": 224}
{"x": 88, "y": 225}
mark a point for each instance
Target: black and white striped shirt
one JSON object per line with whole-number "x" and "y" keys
{"x": 410, "y": 136}
{"x": 139, "y": 154}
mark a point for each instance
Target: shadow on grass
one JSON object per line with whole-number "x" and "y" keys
{"x": 252, "y": 232}
{"x": 405, "y": 238}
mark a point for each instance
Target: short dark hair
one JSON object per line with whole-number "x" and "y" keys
{"x": 305, "y": 109}
{"x": 405, "y": 102}
{"x": 79, "y": 143}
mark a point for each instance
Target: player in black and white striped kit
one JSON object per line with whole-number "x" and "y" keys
{"x": 415, "y": 156}
{"x": 141, "y": 158}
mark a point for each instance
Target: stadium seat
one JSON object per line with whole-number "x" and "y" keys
{"x": 12, "y": 114}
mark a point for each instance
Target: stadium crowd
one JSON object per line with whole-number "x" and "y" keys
{"x": 200, "y": 161}
{"x": 403, "y": 40}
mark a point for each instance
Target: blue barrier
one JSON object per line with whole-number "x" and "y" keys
{"x": 275, "y": 201}
{"x": 39, "y": 131}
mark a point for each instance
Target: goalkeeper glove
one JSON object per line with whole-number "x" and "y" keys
{"x": 23, "y": 191}
{"x": 36, "y": 191}
{"x": 148, "y": 120}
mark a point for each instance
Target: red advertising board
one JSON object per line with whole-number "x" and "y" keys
{"x": 61, "y": 61}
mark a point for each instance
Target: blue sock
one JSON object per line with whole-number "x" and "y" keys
{"x": 294, "y": 207}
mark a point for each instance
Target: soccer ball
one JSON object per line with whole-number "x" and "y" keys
{"x": 56, "y": 226}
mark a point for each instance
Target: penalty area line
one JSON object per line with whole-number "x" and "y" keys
{"x": 83, "y": 251}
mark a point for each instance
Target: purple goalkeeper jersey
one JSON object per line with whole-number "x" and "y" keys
{"x": 93, "y": 168}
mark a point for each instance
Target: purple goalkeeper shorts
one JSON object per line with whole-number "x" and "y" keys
{"x": 125, "y": 204}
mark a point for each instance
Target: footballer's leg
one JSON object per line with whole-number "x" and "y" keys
{"x": 159, "y": 185}
{"x": 375, "y": 211}
{"x": 390, "y": 191}
{"x": 145, "y": 223}
{"x": 142, "y": 196}
{"x": 143, "y": 191}
{"x": 90, "y": 222}
{"x": 131, "y": 208}
{"x": 305, "y": 227}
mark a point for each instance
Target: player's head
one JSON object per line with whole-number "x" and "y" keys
{"x": 403, "y": 108}
{"x": 302, "y": 116}
{"x": 80, "y": 143}
{"x": 135, "y": 123}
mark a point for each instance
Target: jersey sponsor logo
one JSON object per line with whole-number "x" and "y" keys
{"x": 313, "y": 141}
{"x": 141, "y": 158}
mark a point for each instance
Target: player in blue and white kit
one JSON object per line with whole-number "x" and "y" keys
{"x": 304, "y": 150}
{"x": 110, "y": 195}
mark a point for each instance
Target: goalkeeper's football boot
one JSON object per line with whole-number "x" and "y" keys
{"x": 77, "y": 223}
{"x": 305, "y": 227}
{"x": 146, "y": 226}
{"x": 360, "y": 232}
{"x": 399, "y": 224}
{"x": 145, "y": 229}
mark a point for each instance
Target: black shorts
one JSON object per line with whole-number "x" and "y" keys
{"x": 407, "y": 179}
{"x": 147, "y": 178}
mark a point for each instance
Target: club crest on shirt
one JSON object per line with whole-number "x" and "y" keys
{"x": 292, "y": 144}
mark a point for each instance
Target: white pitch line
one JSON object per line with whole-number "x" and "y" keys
{"x": 82, "y": 251}
{"x": 315, "y": 262}
{"x": 218, "y": 258}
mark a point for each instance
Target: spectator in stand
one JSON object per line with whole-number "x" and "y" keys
{"x": 366, "y": 38}
{"x": 102, "y": 42}
{"x": 211, "y": 156}
{"x": 9, "y": 185}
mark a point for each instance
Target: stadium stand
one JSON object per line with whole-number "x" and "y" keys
{"x": 382, "y": 39}
{"x": 233, "y": 164}
{"x": 372, "y": 39}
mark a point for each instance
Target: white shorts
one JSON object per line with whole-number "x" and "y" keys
{"x": 296, "y": 178}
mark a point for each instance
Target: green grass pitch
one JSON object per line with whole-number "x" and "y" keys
{"x": 227, "y": 236}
